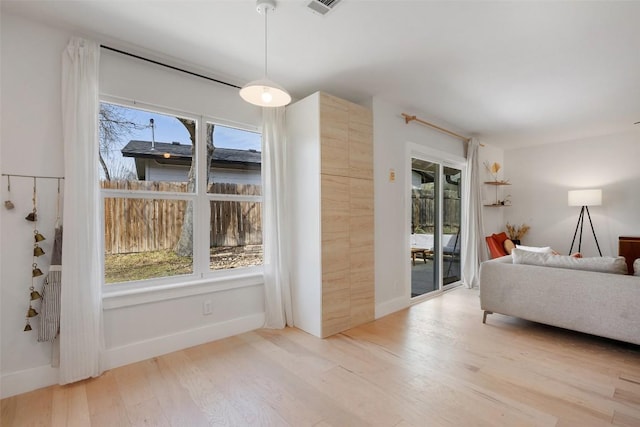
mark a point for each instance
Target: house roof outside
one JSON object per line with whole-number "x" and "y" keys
{"x": 176, "y": 153}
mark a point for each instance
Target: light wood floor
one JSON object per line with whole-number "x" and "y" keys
{"x": 431, "y": 365}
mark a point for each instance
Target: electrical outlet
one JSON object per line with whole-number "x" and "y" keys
{"x": 206, "y": 307}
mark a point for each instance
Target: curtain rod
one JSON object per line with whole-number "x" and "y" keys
{"x": 33, "y": 176}
{"x": 142, "y": 58}
{"x": 408, "y": 119}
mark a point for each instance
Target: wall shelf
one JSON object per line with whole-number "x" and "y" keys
{"x": 497, "y": 184}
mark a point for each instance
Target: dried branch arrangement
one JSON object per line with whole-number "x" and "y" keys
{"x": 516, "y": 232}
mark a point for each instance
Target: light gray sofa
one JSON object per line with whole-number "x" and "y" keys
{"x": 601, "y": 304}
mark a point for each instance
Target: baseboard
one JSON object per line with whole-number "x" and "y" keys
{"x": 391, "y": 306}
{"x": 27, "y": 380}
{"x": 43, "y": 376}
{"x": 142, "y": 350}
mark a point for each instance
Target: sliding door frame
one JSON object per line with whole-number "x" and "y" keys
{"x": 443, "y": 159}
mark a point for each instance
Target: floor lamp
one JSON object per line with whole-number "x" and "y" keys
{"x": 584, "y": 198}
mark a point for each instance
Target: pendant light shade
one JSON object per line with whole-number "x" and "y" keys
{"x": 264, "y": 92}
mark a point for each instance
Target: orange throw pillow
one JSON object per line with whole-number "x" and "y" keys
{"x": 500, "y": 238}
{"x": 495, "y": 249}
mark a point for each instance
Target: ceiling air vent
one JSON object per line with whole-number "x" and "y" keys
{"x": 322, "y": 7}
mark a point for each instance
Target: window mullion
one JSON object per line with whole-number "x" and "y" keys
{"x": 201, "y": 219}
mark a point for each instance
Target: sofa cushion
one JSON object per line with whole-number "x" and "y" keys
{"x": 636, "y": 267}
{"x": 422, "y": 241}
{"x": 451, "y": 243}
{"x": 542, "y": 250}
{"x": 615, "y": 265}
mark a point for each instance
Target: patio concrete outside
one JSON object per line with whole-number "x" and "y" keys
{"x": 422, "y": 277}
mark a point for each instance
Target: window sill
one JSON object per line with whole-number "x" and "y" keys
{"x": 119, "y": 298}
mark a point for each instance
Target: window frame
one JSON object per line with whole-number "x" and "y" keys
{"x": 202, "y": 275}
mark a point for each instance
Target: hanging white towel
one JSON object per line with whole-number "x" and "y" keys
{"x": 50, "y": 308}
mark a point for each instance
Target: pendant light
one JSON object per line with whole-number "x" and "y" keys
{"x": 263, "y": 92}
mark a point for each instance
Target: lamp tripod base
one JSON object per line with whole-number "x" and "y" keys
{"x": 580, "y": 225}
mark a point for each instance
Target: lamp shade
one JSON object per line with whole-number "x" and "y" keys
{"x": 265, "y": 93}
{"x": 591, "y": 197}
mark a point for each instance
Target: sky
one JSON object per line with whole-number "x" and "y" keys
{"x": 169, "y": 129}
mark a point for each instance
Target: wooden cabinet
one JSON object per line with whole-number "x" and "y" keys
{"x": 330, "y": 155}
{"x": 629, "y": 248}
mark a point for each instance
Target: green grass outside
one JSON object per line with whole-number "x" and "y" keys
{"x": 145, "y": 265}
{"x": 165, "y": 263}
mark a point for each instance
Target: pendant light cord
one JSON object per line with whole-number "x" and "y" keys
{"x": 266, "y": 11}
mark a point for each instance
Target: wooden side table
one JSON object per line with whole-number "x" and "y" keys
{"x": 629, "y": 248}
{"x": 424, "y": 253}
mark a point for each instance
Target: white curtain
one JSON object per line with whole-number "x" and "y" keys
{"x": 81, "y": 335}
{"x": 278, "y": 311}
{"x": 474, "y": 246}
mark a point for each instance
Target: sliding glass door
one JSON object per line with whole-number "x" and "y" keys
{"x": 425, "y": 187}
{"x": 435, "y": 225}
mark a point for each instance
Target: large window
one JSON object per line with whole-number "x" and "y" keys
{"x": 182, "y": 195}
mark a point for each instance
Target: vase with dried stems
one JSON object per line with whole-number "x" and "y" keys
{"x": 517, "y": 232}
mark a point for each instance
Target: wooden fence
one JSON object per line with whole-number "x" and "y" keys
{"x": 236, "y": 223}
{"x": 140, "y": 225}
{"x": 423, "y": 212}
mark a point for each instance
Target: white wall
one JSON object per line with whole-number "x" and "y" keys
{"x": 542, "y": 175}
{"x": 32, "y": 145}
{"x": 390, "y": 138}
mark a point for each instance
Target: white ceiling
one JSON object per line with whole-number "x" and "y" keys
{"x": 513, "y": 73}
